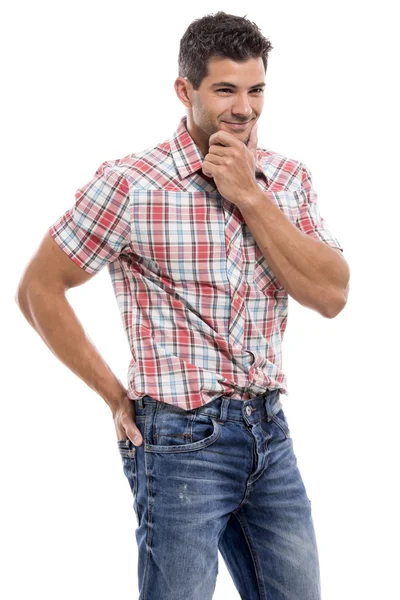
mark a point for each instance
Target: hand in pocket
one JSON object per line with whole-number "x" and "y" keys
{"x": 124, "y": 421}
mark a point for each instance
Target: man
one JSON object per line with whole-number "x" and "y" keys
{"x": 204, "y": 236}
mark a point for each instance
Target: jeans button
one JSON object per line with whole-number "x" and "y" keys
{"x": 248, "y": 410}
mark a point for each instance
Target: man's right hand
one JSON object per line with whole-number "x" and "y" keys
{"x": 124, "y": 421}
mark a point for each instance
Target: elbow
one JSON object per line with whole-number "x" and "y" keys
{"x": 332, "y": 313}
{"x": 337, "y": 304}
{"x": 339, "y": 292}
{"x": 21, "y": 291}
{"x": 21, "y": 299}
{"x": 18, "y": 296}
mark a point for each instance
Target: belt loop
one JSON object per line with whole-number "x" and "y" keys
{"x": 140, "y": 402}
{"x": 224, "y": 409}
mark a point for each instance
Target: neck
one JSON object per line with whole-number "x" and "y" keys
{"x": 198, "y": 136}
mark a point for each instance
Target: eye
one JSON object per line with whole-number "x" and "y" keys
{"x": 229, "y": 90}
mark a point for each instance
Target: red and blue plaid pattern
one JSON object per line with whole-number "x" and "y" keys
{"x": 204, "y": 314}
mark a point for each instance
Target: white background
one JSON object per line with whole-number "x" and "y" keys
{"x": 90, "y": 81}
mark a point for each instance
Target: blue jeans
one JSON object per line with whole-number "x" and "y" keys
{"x": 220, "y": 477}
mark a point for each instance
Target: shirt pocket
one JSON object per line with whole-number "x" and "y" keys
{"x": 179, "y": 235}
{"x": 289, "y": 202}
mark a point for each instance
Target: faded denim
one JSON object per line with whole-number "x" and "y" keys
{"x": 220, "y": 477}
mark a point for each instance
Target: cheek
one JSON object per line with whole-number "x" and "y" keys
{"x": 217, "y": 107}
{"x": 258, "y": 106}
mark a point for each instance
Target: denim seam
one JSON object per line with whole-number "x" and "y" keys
{"x": 283, "y": 426}
{"x": 260, "y": 584}
{"x": 150, "y": 513}
{"x": 190, "y": 447}
{"x": 244, "y": 499}
{"x": 215, "y": 415}
{"x": 133, "y": 466}
{"x": 149, "y": 541}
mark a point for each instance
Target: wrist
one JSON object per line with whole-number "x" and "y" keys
{"x": 115, "y": 399}
{"x": 252, "y": 198}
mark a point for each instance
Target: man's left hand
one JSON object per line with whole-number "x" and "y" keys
{"x": 232, "y": 165}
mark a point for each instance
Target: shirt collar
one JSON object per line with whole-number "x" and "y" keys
{"x": 187, "y": 155}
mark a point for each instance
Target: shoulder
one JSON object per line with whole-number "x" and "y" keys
{"x": 279, "y": 168}
{"x": 137, "y": 167}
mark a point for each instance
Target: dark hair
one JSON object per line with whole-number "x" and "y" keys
{"x": 221, "y": 34}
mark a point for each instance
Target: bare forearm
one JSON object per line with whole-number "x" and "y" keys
{"x": 53, "y": 318}
{"x": 309, "y": 270}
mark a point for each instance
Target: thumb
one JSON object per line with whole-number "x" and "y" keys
{"x": 253, "y": 139}
{"x": 135, "y": 437}
{"x": 133, "y": 432}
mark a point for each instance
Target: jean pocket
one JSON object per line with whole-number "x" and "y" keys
{"x": 280, "y": 420}
{"x": 128, "y": 455}
{"x": 176, "y": 430}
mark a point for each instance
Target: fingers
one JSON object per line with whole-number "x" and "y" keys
{"x": 134, "y": 435}
{"x": 131, "y": 429}
{"x": 124, "y": 420}
{"x": 206, "y": 168}
{"x": 131, "y": 432}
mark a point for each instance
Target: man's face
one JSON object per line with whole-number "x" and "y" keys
{"x": 216, "y": 105}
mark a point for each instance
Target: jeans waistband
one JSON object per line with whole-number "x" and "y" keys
{"x": 230, "y": 409}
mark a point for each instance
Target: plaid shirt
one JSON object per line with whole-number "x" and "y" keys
{"x": 203, "y": 312}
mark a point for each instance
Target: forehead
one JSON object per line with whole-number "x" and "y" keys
{"x": 239, "y": 73}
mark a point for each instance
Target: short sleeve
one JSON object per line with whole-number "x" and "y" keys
{"x": 310, "y": 220}
{"x": 94, "y": 231}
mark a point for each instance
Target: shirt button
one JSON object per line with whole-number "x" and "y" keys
{"x": 248, "y": 410}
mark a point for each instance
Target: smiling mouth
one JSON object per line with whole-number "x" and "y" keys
{"x": 234, "y": 123}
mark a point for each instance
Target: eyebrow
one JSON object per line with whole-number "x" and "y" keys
{"x": 231, "y": 85}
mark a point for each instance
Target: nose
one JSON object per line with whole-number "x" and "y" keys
{"x": 241, "y": 106}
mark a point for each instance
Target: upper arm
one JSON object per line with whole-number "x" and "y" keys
{"x": 87, "y": 237}
{"x": 52, "y": 269}
{"x": 310, "y": 221}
